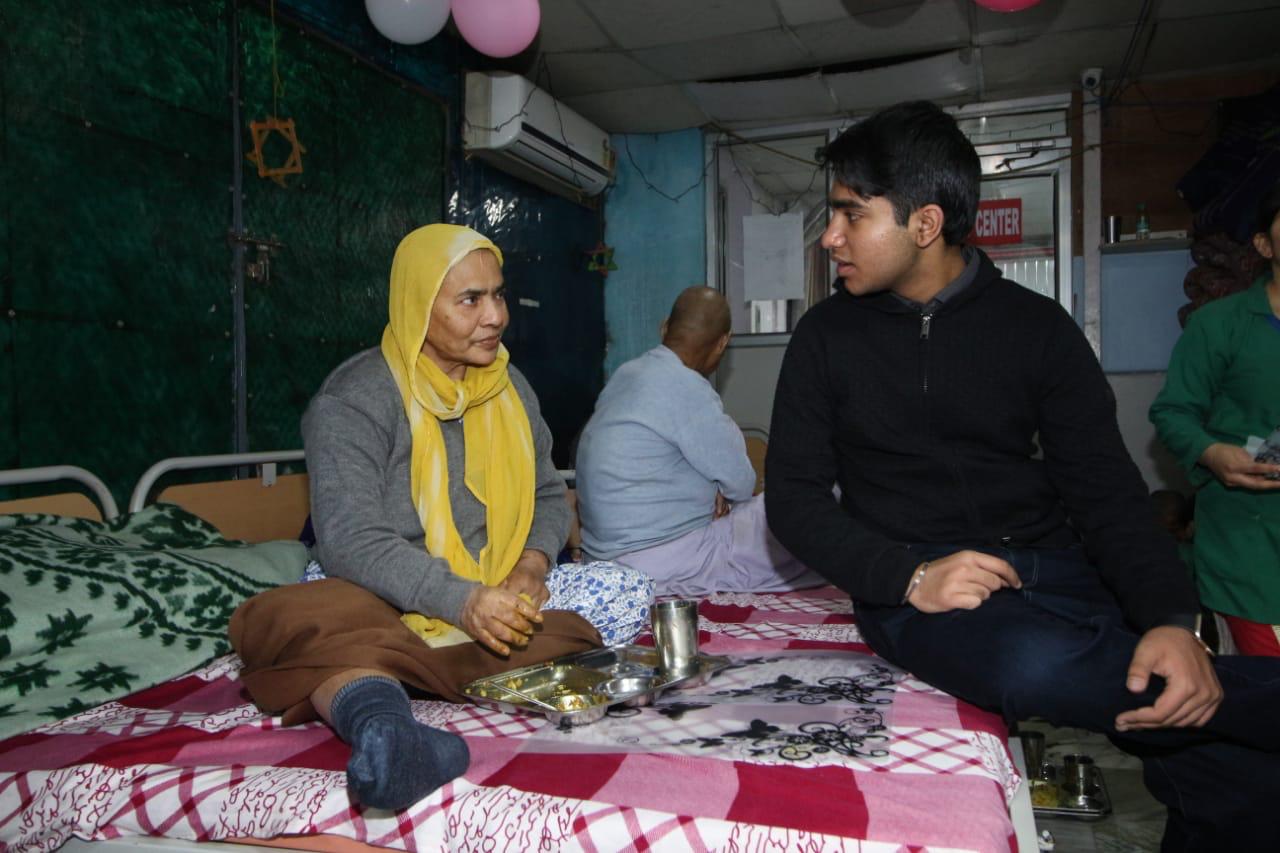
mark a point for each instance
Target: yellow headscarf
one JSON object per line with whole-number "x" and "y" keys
{"x": 495, "y": 426}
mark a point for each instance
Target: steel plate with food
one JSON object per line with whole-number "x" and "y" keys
{"x": 579, "y": 689}
{"x": 1065, "y": 791}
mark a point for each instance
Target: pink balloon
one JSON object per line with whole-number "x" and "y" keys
{"x": 497, "y": 27}
{"x": 996, "y": 5}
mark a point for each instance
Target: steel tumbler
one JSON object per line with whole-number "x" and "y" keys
{"x": 1078, "y": 773}
{"x": 675, "y": 633}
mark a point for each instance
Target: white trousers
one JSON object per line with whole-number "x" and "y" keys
{"x": 736, "y": 553}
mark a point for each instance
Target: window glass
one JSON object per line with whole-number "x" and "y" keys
{"x": 772, "y": 192}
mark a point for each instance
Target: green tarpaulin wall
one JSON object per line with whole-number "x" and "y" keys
{"x": 115, "y": 266}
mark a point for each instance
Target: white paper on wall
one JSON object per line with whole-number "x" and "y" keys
{"x": 773, "y": 256}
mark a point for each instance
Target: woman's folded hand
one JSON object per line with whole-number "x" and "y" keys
{"x": 499, "y": 618}
{"x": 529, "y": 577}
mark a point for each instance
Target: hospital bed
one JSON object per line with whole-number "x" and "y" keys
{"x": 790, "y": 749}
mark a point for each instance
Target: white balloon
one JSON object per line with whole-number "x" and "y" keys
{"x": 408, "y": 21}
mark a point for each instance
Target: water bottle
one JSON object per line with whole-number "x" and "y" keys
{"x": 1143, "y": 229}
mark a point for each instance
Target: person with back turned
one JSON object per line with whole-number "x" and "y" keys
{"x": 664, "y": 482}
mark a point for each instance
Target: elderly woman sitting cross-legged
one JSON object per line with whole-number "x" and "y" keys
{"x": 437, "y": 513}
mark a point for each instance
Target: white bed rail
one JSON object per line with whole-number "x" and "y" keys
{"x": 267, "y": 459}
{"x": 51, "y": 473}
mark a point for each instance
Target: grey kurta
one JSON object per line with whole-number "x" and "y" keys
{"x": 358, "y": 447}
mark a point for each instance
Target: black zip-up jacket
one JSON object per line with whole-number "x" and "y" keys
{"x": 929, "y": 424}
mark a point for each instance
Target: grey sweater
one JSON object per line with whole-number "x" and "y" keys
{"x": 358, "y": 446}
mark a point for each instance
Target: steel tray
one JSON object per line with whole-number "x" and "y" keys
{"x": 1056, "y": 800}
{"x": 580, "y": 688}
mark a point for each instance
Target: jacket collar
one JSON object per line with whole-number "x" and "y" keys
{"x": 891, "y": 303}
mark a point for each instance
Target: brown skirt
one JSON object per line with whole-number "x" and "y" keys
{"x": 294, "y": 638}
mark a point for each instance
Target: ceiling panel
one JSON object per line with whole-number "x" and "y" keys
{"x": 1214, "y": 41}
{"x": 565, "y": 26}
{"x": 653, "y": 109}
{"x": 883, "y": 12}
{"x": 1170, "y": 9}
{"x": 776, "y": 100}
{"x": 631, "y": 65}
{"x": 728, "y": 56}
{"x": 652, "y": 23}
{"x": 1054, "y": 16}
{"x": 798, "y": 12}
{"x": 945, "y": 77}
{"x": 936, "y": 26}
{"x": 1053, "y": 61}
{"x": 598, "y": 71}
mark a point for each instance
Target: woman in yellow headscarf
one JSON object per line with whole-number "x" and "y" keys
{"x": 437, "y": 512}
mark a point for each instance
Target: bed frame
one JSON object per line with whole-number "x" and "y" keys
{"x": 71, "y": 504}
{"x": 254, "y": 509}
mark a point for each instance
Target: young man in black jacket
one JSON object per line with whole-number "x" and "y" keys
{"x": 1033, "y": 584}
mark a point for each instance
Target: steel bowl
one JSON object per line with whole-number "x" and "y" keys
{"x": 631, "y": 690}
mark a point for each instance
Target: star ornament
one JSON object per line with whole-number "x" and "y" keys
{"x": 263, "y": 129}
{"x": 600, "y": 259}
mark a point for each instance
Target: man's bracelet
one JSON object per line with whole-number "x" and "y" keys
{"x": 1190, "y": 622}
{"x": 916, "y": 580}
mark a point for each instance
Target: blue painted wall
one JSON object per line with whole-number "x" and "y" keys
{"x": 659, "y": 243}
{"x": 1141, "y": 294}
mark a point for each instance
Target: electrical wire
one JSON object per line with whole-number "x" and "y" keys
{"x": 1155, "y": 115}
{"x": 555, "y": 103}
{"x": 743, "y": 140}
{"x": 626, "y": 144}
{"x": 1143, "y": 14}
{"x": 518, "y": 114}
{"x": 819, "y": 168}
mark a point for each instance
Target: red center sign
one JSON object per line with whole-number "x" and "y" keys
{"x": 999, "y": 222}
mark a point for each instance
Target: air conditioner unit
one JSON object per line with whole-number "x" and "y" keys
{"x": 522, "y": 130}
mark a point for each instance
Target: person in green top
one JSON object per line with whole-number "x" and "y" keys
{"x": 1223, "y": 389}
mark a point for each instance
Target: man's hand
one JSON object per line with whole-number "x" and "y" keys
{"x": 498, "y": 618}
{"x": 529, "y": 576}
{"x": 1191, "y": 693}
{"x": 962, "y": 581}
{"x": 1235, "y": 467}
{"x": 722, "y": 507}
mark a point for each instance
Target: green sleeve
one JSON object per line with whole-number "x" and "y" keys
{"x": 1181, "y": 410}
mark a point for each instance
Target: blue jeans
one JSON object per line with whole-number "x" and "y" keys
{"x": 1059, "y": 649}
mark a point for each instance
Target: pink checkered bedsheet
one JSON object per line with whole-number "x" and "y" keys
{"x": 807, "y": 743}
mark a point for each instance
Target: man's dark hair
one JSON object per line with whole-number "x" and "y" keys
{"x": 913, "y": 154}
{"x": 1267, "y": 210}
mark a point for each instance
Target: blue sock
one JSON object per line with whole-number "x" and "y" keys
{"x": 395, "y": 760}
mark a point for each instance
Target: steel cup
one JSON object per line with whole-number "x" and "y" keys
{"x": 675, "y": 634}
{"x": 1077, "y": 774}
{"x": 1033, "y": 752}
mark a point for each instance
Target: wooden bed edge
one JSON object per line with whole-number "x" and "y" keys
{"x": 247, "y": 510}
{"x": 264, "y": 508}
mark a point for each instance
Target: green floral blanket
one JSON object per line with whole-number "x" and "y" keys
{"x": 93, "y": 611}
